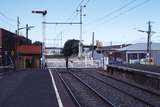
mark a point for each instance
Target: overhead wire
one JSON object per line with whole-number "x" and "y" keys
{"x": 122, "y": 13}
{"x": 87, "y": 2}
{"x": 6, "y": 21}
{"x": 113, "y": 12}
{"x": 70, "y": 18}
{"x": 73, "y": 15}
{"x": 126, "y": 11}
{"x": 6, "y": 17}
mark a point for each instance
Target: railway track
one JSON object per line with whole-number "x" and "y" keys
{"x": 118, "y": 96}
{"x": 151, "y": 91}
{"x": 82, "y": 93}
{"x": 146, "y": 96}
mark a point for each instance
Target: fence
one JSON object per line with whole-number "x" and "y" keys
{"x": 74, "y": 63}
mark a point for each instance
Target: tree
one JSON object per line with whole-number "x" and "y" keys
{"x": 70, "y": 48}
{"x": 37, "y": 43}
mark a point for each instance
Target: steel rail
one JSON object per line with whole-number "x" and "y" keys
{"x": 69, "y": 90}
{"x": 101, "y": 96}
{"x": 150, "y": 105}
{"x": 131, "y": 84}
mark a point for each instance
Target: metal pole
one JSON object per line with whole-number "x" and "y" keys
{"x": 61, "y": 39}
{"x": 92, "y": 44}
{"x": 43, "y": 34}
{"x": 18, "y": 26}
{"x": 27, "y": 31}
{"x": 149, "y": 40}
{"x": 80, "y": 48}
{"x": 44, "y": 40}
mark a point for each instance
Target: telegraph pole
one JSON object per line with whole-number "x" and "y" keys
{"x": 149, "y": 40}
{"x": 18, "y": 22}
{"x": 27, "y": 29}
{"x": 92, "y": 44}
{"x": 61, "y": 40}
{"x": 81, "y": 22}
{"x": 149, "y": 32}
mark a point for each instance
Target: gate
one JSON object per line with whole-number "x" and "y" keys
{"x": 74, "y": 63}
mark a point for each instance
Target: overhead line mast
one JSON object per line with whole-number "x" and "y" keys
{"x": 149, "y": 32}
{"x": 73, "y": 23}
{"x": 81, "y": 22}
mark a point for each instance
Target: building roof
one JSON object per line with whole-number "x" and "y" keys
{"x": 113, "y": 47}
{"x": 29, "y": 49}
{"x": 140, "y": 47}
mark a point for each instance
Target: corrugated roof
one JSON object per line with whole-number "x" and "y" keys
{"x": 141, "y": 47}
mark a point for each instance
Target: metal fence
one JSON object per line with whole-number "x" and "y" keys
{"x": 74, "y": 63}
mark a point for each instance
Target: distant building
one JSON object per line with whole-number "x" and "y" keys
{"x": 53, "y": 51}
{"x": 111, "y": 52}
{"x": 137, "y": 52}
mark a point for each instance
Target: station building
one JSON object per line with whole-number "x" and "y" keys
{"x": 136, "y": 53}
{"x": 14, "y": 48}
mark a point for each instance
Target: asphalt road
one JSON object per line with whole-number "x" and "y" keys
{"x": 28, "y": 88}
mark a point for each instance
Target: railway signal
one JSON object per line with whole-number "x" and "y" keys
{"x": 44, "y": 13}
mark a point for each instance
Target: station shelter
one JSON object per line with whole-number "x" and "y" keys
{"x": 29, "y": 56}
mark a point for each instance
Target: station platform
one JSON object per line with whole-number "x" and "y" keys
{"x": 30, "y": 88}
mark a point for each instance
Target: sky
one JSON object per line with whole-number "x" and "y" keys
{"x": 112, "y": 21}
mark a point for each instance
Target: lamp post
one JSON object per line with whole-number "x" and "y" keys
{"x": 43, "y": 13}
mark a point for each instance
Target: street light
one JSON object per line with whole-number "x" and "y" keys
{"x": 44, "y": 13}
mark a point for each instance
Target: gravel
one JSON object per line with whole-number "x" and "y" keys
{"x": 139, "y": 93}
{"x": 84, "y": 95}
{"x": 118, "y": 98}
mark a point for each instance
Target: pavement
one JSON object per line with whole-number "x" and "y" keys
{"x": 27, "y": 88}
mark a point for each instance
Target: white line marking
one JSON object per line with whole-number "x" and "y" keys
{"x": 56, "y": 90}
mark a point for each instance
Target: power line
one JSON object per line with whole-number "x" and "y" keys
{"x": 128, "y": 10}
{"x": 6, "y": 17}
{"x": 4, "y": 21}
{"x": 122, "y": 13}
{"x": 75, "y": 10}
{"x": 114, "y": 11}
{"x": 74, "y": 15}
{"x": 87, "y": 2}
